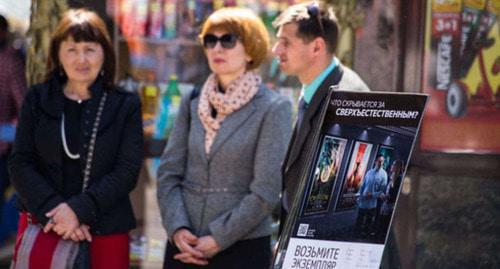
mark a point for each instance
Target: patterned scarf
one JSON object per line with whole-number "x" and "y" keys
{"x": 238, "y": 94}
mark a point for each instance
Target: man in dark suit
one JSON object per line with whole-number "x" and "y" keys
{"x": 307, "y": 39}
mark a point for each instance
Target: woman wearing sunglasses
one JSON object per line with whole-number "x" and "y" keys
{"x": 219, "y": 177}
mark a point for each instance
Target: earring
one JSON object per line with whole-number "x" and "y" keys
{"x": 61, "y": 71}
{"x": 102, "y": 72}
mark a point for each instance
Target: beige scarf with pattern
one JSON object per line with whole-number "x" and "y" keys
{"x": 238, "y": 94}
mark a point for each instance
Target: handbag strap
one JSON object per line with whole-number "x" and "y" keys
{"x": 90, "y": 153}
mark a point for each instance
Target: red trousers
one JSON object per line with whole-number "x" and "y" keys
{"x": 106, "y": 251}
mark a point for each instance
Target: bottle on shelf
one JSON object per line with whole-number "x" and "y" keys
{"x": 140, "y": 18}
{"x": 169, "y": 19}
{"x": 155, "y": 19}
{"x": 150, "y": 95}
{"x": 162, "y": 116}
{"x": 175, "y": 101}
{"x": 169, "y": 107}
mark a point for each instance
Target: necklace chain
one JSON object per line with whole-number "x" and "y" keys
{"x": 65, "y": 145}
{"x": 90, "y": 152}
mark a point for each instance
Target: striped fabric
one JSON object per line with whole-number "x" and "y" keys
{"x": 44, "y": 250}
{"x": 106, "y": 251}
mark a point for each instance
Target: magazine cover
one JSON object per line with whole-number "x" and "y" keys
{"x": 346, "y": 201}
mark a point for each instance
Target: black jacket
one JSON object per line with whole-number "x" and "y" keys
{"x": 36, "y": 162}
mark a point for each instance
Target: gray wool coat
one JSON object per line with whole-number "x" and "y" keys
{"x": 231, "y": 192}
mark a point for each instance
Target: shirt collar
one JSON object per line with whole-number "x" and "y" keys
{"x": 308, "y": 90}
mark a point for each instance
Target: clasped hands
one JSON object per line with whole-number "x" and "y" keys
{"x": 194, "y": 250}
{"x": 64, "y": 222}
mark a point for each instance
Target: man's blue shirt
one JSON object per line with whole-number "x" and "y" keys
{"x": 375, "y": 182}
{"x": 308, "y": 90}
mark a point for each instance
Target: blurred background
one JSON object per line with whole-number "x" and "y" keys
{"x": 448, "y": 212}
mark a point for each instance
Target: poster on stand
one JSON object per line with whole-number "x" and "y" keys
{"x": 325, "y": 174}
{"x": 386, "y": 151}
{"x": 357, "y": 168}
{"x": 348, "y": 192}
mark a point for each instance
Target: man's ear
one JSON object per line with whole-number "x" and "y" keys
{"x": 318, "y": 45}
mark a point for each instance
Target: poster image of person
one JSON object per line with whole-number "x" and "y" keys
{"x": 371, "y": 190}
{"x": 389, "y": 198}
{"x": 325, "y": 174}
{"x": 356, "y": 169}
{"x": 387, "y": 152}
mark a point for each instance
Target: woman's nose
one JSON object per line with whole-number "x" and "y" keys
{"x": 81, "y": 57}
{"x": 218, "y": 46}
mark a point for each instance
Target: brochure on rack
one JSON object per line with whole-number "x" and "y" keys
{"x": 342, "y": 213}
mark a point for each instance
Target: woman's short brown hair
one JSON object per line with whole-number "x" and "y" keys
{"x": 249, "y": 28}
{"x": 83, "y": 26}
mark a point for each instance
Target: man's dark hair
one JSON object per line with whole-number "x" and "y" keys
{"x": 4, "y": 24}
{"x": 314, "y": 19}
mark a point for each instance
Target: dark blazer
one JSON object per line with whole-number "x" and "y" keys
{"x": 302, "y": 138}
{"x": 36, "y": 162}
{"x": 231, "y": 192}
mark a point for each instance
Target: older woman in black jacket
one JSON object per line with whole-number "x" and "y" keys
{"x": 75, "y": 126}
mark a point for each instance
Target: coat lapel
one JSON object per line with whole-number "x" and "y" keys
{"x": 52, "y": 105}
{"x": 110, "y": 106}
{"x": 52, "y": 99}
{"x": 196, "y": 127}
{"x": 231, "y": 123}
{"x": 302, "y": 132}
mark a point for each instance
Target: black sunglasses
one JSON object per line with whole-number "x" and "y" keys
{"x": 313, "y": 11}
{"x": 227, "y": 41}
